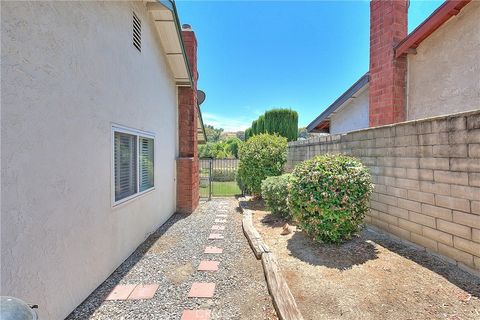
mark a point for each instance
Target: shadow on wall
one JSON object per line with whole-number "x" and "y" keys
{"x": 154, "y": 243}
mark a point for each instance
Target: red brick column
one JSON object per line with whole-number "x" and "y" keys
{"x": 187, "y": 162}
{"x": 388, "y": 26}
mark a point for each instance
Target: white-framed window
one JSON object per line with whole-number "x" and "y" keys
{"x": 133, "y": 163}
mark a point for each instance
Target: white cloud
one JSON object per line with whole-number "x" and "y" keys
{"x": 227, "y": 123}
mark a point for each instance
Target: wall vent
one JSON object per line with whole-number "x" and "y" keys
{"x": 137, "y": 32}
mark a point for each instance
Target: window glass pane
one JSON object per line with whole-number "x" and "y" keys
{"x": 146, "y": 163}
{"x": 125, "y": 154}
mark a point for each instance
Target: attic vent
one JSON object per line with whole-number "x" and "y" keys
{"x": 137, "y": 32}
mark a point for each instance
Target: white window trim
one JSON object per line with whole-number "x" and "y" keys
{"x": 138, "y": 134}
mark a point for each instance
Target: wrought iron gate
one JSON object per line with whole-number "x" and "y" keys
{"x": 218, "y": 178}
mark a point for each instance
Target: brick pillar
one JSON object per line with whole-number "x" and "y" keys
{"x": 187, "y": 162}
{"x": 388, "y": 26}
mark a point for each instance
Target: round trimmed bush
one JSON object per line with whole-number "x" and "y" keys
{"x": 262, "y": 156}
{"x": 329, "y": 195}
{"x": 275, "y": 193}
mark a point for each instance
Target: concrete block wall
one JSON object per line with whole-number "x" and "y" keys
{"x": 427, "y": 180}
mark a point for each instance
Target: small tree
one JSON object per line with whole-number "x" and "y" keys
{"x": 261, "y": 156}
{"x": 282, "y": 121}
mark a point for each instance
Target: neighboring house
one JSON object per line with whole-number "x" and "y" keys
{"x": 99, "y": 133}
{"x": 430, "y": 72}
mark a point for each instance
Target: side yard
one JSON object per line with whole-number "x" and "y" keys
{"x": 170, "y": 257}
{"x": 370, "y": 277}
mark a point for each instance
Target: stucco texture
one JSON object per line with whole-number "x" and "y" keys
{"x": 352, "y": 116}
{"x": 444, "y": 74}
{"x": 69, "y": 70}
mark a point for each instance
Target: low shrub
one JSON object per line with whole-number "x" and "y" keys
{"x": 329, "y": 195}
{"x": 275, "y": 194}
{"x": 262, "y": 156}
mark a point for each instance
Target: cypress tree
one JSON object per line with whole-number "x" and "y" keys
{"x": 254, "y": 127}
{"x": 261, "y": 124}
{"x": 282, "y": 121}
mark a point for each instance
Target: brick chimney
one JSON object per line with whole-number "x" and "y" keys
{"x": 187, "y": 162}
{"x": 388, "y": 26}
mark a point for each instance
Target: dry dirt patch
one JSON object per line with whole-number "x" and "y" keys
{"x": 369, "y": 277}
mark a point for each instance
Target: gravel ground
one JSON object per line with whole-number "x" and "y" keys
{"x": 370, "y": 277}
{"x": 170, "y": 257}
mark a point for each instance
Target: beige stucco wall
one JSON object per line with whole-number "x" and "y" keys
{"x": 69, "y": 70}
{"x": 352, "y": 116}
{"x": 444, "y": 75}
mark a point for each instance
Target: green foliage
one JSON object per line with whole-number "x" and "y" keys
{"x": 275, "y": 194}
{"x": 261, "y": 156}
{"x": 255, "y": 127}
{"x": 240, "y": 183}
{"x": 261, "y": 124}
{"x": 282, "y": 121}
{"x": 232, "y": 145}
{"x": 222, "y": 149}
{"x": 248, "y": 133}
{"x": 213, "y": 134}
{"x": 328, "y": 195}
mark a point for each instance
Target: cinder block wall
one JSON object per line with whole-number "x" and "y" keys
{"x": 427, "y": 180}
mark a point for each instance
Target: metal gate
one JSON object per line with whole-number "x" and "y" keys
{"x": 218, "y": 178}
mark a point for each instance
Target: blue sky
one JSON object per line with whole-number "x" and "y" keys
{"x": 257, "y": 55}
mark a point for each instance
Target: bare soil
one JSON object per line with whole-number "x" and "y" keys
{"x": 370, "y": 277}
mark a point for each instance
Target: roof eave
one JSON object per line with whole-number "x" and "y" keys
{"x": 324, "y": 116}
{"x": 441, "y": 15}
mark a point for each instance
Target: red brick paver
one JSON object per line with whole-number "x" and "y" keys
{"x": 214, "y": 250}
{"x": 202, "y": 290}
{"x": 206, "y": 265}
{"x": 196, "y": 315}
{"x": 121, "y": 292}
{"x": 218, "y": 228}
{"x": 146, "y": 291}
{"x": 215, "y": 236}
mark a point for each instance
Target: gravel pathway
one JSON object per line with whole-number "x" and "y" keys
{"x": 170, "y": 258}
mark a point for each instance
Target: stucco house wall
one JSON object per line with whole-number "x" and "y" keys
{"x": 352, "y": 116}
{"x": 444, "y": 75}
{"x": 69, "y": 71}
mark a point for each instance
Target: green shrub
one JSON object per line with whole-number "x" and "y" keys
{"x": 328, "y": 195}
{"x": 260, "y": 157}
{"x": 282, "y": 121}
{"x": 275, "y": 194}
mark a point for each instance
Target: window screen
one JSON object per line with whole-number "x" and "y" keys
{"x": 146, "y": 163}
{"x": 125, "y": 165}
